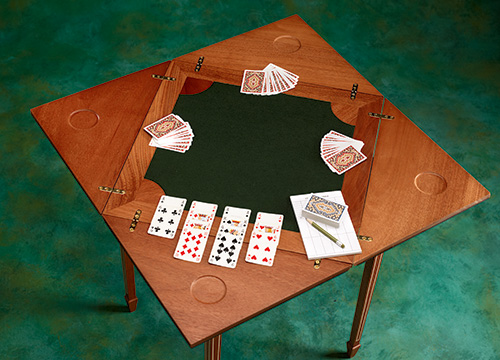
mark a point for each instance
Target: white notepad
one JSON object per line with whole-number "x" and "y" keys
{"x": 316, "y": 244}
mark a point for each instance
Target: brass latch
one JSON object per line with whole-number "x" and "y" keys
{"x": 365, "y": 238}
{"x": 135, "y": 220}
{"x": 161, "y": 77}
{"x": 111, "y": 190}
{"x": 381, "y": 116}
{"x": 354, "y": 91}
{"x": 200, "y": 62}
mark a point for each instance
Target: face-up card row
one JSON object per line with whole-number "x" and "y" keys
{"x": 264, "y": 239}
{"x": 194, "y": 235}
{"x": 270, "y": 81}
{"x": 230, "y": 235}
{"x": 172, "y": 133}
{"x": 340, "y": 152}
{"x": 229, "y": 238}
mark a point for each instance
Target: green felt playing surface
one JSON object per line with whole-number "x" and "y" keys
{"x": 249, "y": 151}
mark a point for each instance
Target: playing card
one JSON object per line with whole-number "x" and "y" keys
{"x": 285, "y": 73}
{"x": 344, "y": 159}
{"x": 323, "y": 210}
{"x": 164, "y": 126}
{"x": 284, "y": 82}
{"x": 340, "y": 152}
{"x": 253, "y": 82}
{"x": 174, "y": 147}
{"x": 229, "y": 238}
{"x": 288, "y": 77}
{"x": 335, "y": 139}
{"x": 194, "y": 235}
{"x": 264, "y": 239}
{"x": 269, "y": 81}
{"x": 277, "y": 82}
{"x": 167, "y": 216}
{"x": 171, "y": 133}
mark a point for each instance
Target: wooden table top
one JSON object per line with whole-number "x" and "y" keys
{"x": 408, "y": 185}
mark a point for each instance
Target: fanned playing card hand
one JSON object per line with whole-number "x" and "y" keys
{"x": 270, "y": 81}
{"x": 340, "y": 152}
{"x": 172, "y": 133}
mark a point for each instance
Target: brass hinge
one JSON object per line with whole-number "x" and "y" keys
{"x": 354, "y": 91}
{"x": 135, "y": 220}
{"x": 365, "y": 238}
{"x": 317, "y": 263}
{"x": 198, "y": 65}
{"x": 381, "y": 116}
{"x": 111, "y": 190}
{"x": 161, "y": 77}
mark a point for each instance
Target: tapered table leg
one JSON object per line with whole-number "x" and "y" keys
{"x": 129, "y": 280}
{"x": 213, "y": 348}
{"x": 370, "y": 274}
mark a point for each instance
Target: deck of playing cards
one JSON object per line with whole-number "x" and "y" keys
{"x": 172, "y": 133}
{"x": 340, "y": 152}
{"x": 270, "y": 81}
{"x": 323, "y": 210}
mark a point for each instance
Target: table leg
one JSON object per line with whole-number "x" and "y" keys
{"x": 370, "y": 274}
{"x": 129, "y": 279}
{"x": 212, "y": 348}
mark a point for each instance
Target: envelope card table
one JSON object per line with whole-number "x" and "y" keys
{"x": 251, "y": 151}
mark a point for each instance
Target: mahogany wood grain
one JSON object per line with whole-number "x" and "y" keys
{"x": 313, "y": 59}
{"x": 396, "y": 209}
{"x": 93, "y": 130}
{"x": 140, "y": 156}
{"x": 194, "y": 86}
{"x": 248, "y": 289}
{"x": 129, "y": 280}
{"x": 146, "y": 199}
{"x": 366, "y": 289}
{"x": 356, "y": 180}
{"x": 213, "y": 348}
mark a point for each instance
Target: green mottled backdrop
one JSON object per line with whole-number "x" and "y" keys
{"x": 61, "y": 291}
